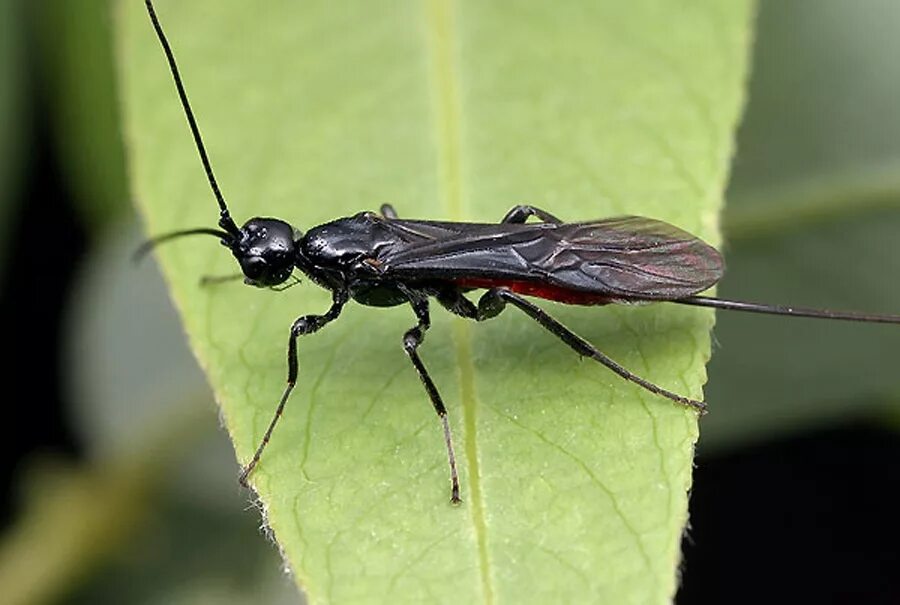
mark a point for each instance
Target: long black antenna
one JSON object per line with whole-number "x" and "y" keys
{"x": 149, "y": 245}
{"x": 225, "y": 220}
{"x": 751, "y": 307}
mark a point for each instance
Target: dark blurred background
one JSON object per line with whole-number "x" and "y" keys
{"x": 794, "y": 488}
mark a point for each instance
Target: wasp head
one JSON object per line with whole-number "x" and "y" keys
{"x": 266, "y": 251}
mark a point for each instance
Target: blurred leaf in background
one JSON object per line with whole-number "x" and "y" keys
{"x": 13, "y": 145}
{"x": 75, "y": 56}
{"x": 813, "y": 219}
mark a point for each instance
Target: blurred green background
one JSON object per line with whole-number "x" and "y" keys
{"x": 119, "y": 485}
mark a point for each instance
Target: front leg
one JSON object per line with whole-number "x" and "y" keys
{"x": 302, "y": 325}
{"x": 411, "y": 341}
{"x": 214, "y": 280}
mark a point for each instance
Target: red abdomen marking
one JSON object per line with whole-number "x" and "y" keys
{"x": 547, "y": 292}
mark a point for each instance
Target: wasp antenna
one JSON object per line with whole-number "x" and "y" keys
{"x": 225, "y": 220}
{"x": 150, "y": 244}
{"x": 751, "y": 307}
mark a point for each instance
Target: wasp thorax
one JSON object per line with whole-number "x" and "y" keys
{"x": 265, "y": 251}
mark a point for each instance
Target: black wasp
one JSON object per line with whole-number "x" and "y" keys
{"x": 381, "y": 260}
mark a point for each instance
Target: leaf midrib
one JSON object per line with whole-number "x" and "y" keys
{"x": 440, "y": 23}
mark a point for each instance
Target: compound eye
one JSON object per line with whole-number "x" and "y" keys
{"x": 254, "y": 267}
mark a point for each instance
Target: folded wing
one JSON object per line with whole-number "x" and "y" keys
{"x": 624, "y": 258}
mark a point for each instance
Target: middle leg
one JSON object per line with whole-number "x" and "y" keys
{"x": 411, "y": 341}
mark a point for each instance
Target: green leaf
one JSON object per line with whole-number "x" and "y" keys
{"x": 575, "y": 483}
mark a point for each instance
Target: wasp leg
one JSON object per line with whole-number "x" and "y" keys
{"x": 521, "y": 213}
{"x": 388, "y": 212}
{"x": 494, "y": 301}
{"x": 294, "y": 281}
{"x": 411, "y": 341}
{"x": 301, "y": 326}
{"x": 456, "y": 302}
